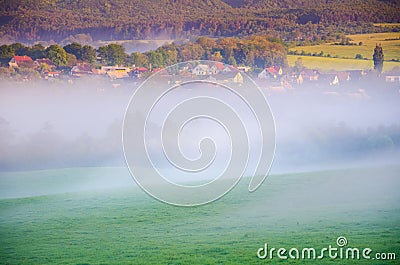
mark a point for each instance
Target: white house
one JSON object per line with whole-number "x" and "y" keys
{"x": 202, "y": 69}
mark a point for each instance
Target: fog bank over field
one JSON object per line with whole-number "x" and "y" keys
{"x": 57, "y": 124}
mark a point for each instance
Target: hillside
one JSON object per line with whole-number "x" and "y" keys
{"x": 33, "y": 20}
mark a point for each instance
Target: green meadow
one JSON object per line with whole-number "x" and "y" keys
{"x": 326, "y": 64}
{"x": 342, "y": 57}
{"x": 123, "y": 225}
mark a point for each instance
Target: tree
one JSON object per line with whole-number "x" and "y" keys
{"x": 155, "y": 59}
{"x": 298, "y": 65}
{"x": 71, "y": 60}
{"x": 75, "y": 49}
{"x": 139, "y": 59}
{"x": 57, "y": 55}
{"x": 37, "y": 51}
{"x": 118, "y": 54}
{"x": 44, "y": 67}
{"x": 216, "y": 56}
{"x": 231, "y": 60}
{"x": 19, "y": 49}
{"x": 103, "y": 53}
{"x": 6, "y": 52}
{"x": 113, "y": 54}
{"x": 378, "y": 58}
{"x": 169, "y": 53}
{"x": 88, "y": 54}
{"x": 191, "y": 52}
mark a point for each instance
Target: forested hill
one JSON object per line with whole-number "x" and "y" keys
{"x": 32, "y": 20}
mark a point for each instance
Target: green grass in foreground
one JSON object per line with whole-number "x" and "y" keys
{"x": 125, "y": 226}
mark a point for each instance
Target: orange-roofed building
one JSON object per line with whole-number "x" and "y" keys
{"x": 21, "y": 61}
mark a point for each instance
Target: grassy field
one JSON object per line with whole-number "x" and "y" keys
{"x": 122, "y": 225}
{"x": 325, "y": 64}
{"x": 387, "y": 24}
{"x": 390, "y": 43}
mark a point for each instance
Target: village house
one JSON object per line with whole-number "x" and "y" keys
{"x": 335, "y": 78}
{"x": 46, "y": 62}
{"x": 331, "y": 79}
{"x": 116, "y": 72}
{"x": 310, "y": 75}
{"x": 306, "y": 75}
{"x": 343, "y": 77}
{"x": 299, "y": 79}
{"x": 137, "y": 72}
{"x": 392, "y": 76}
{"x": 229, "y": 77}
{"x": 51, "y": 74}
{"x": 244, "y": 68}
{"x": 216, "y": 68}
{"x": 82, "y": 69}
{"x": 21, "y": 61}
{"x": 271, "y": 72}
{"x": 202, "y": 70}
{"x": 357, "y": 75}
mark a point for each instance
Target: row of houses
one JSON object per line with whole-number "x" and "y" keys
{"x": 113, "y": 72}
{"x": 213, "y": 71}
{"x": 218, "y": 72}
{"x": 27, "y": 62}
{"x": 276, "y": 73}
{"x": 49, "y": 69}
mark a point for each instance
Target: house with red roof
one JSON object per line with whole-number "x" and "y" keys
{"x": 217, "y": 67}
{"x": 21, "y": 61}
{"x": 271, "y": 72}
{"x": 138, "y": 71}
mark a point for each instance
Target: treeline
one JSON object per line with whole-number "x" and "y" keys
{"x": 68, "y": 55}
{"x": 255, "y": 51}
{"x": 30, "y": 21}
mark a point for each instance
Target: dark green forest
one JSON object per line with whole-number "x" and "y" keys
{"x": 320, "y": 20}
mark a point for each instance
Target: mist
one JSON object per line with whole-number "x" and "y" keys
{"x": 321, "y": 130}
{"x": 57, "y": 124}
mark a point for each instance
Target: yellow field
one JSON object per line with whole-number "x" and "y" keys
{"x": 390, "y": 43}
{"x": 387, "y": 24}
{"x": 327, "y": 64}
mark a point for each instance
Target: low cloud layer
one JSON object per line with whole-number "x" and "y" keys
{"x": 51, "y": 125}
